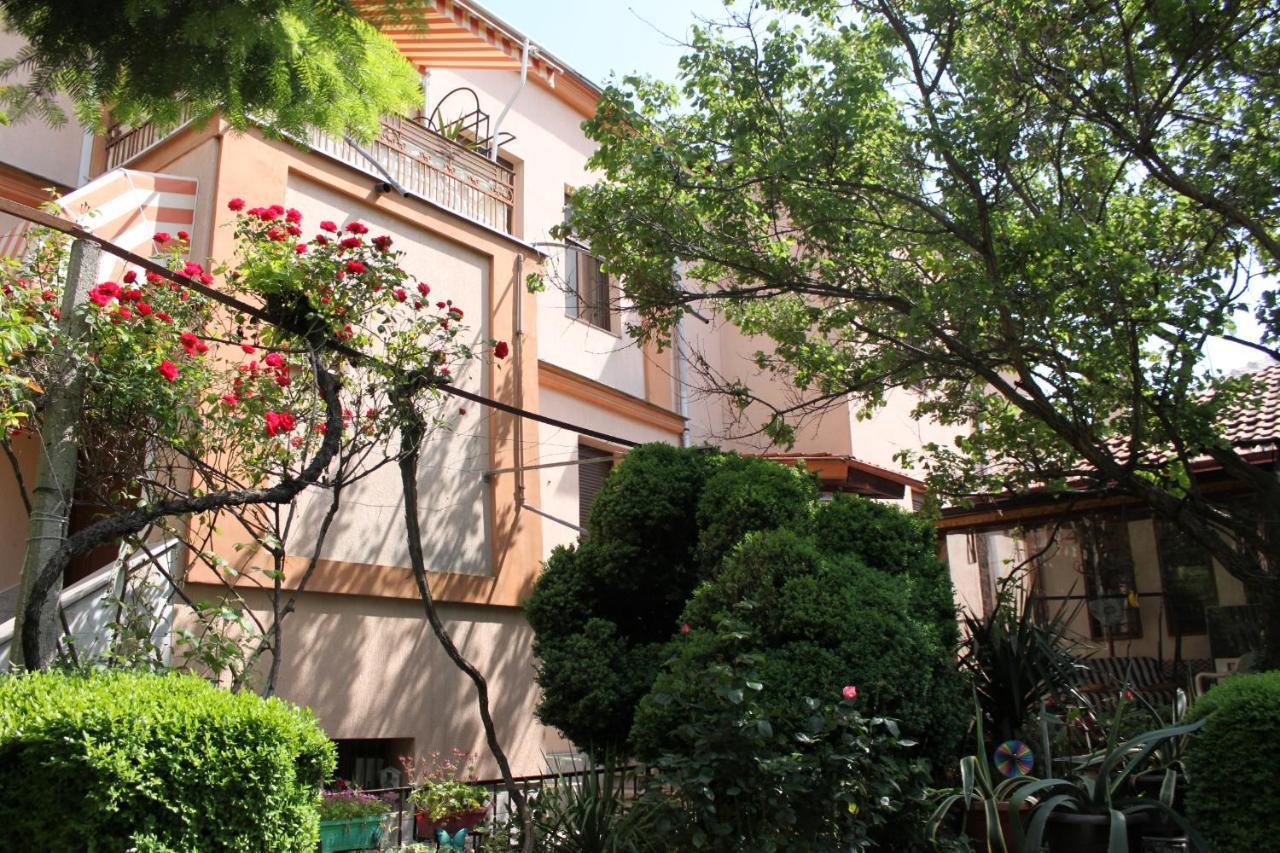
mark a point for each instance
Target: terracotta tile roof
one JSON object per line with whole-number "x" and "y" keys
{"x": 1258, "y": 420}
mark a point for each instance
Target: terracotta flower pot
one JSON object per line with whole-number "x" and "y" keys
{"x": 425, "y": 828}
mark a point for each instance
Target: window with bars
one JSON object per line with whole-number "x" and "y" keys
{"x": 1107, "y": 561}
{"x": 590, "y": 478}
{"x": 1186, "y": 570}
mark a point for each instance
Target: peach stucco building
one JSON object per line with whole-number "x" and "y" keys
{"x": 357, "y": 650}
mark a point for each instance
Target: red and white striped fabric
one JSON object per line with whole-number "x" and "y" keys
{"x": 13, "y": 236}
{"x": 128, "y": 207}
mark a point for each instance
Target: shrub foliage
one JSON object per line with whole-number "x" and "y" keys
{"x": 115, "y": 761}
{"x": 1233, "y": 798}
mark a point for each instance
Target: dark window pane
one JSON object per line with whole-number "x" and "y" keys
{"x": 590, "y": 478}
{"x": 1107, "y": 563}
{"x": 1187, "y": 573}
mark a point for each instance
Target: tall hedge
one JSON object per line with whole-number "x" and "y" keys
{"x": 1233, "y": 764}
{"x": 601, "y": 611}
{"x": 113, "y": 761}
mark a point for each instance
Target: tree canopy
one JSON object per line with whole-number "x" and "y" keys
{"x": 1034, "y": 213}
{"x": 291, "y": 64}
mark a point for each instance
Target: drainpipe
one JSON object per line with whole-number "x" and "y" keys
{"x": 682, "y": 371}
{"x": 497, "y": 124}
{"x": 517, "y": 361}
{"x": 86, "y": 155}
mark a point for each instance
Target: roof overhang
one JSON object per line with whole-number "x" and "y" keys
{"x": 851, "y": 475}
{"x": 452, "y": 34}
{"x": 1029, "y": 509}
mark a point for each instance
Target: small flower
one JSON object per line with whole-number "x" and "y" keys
{"x": 501, "y": 349}
{"x": 357, "y": 228}
{"x": 849, "y": 692}
{"x": 168, "y": 370}
{"x": 249, "y": 348}
{"x": 292, "y": 215}
{"x": 424, "y": 289}
{"x": 355, "y": 267}
{"x": 162, "y": 237}
{"x": 130, "y": 277}
{"x": 350, "y": 243}
{"x": 189, "y": 342}
{"x": 236, "y": 204}
{"x": 684, "y": 629}
{"x": 184, "y": 236}
{"x": 399, "y": 294}
{"x": 144, "y": 308}
{"x": 230, "y": 400}
{"x": 300, "y": 249}
{"x": 330, "y": 226}
{"x": 274, "y": 359}
{"x": 383, "y": 243}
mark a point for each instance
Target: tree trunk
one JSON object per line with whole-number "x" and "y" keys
{"x": 56, "y": 475}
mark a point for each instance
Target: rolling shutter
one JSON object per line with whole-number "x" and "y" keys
{"x": 590, "y": 478}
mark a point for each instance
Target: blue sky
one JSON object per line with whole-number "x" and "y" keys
{"x": 608, "y": 36}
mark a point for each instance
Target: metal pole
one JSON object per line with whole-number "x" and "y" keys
{"x": 56, "y": 475}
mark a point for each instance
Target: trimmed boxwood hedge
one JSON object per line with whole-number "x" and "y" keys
{"x": 1233, "y": 764}
{"x": 110, "y": 761}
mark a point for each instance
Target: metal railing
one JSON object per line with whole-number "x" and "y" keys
{"x": 420, "y": 160}
{"x": 400, "y": 820}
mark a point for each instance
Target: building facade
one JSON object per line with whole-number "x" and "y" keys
{"x": 499, "y": 491}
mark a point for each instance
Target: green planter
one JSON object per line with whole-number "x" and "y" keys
{"x": 357, "y": 833}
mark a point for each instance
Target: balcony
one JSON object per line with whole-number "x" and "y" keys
{"x": 420, "y": 160}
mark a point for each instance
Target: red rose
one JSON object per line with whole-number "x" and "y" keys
{"x": 160, "y": 315}
{"x": 162, "y": 237}
{"x": 236, "y": 204}
{"x": 274, "y": 359}
{"x": 276, "y": 211}
{"x": 350, "y": 243}
{"x": 278, "y": 423}
{"x": 399, "y": 294}
{"x": 383, "y": 243}
{"x": 321, "y": 240}
{"x": 168, "y": 370}
{"x": 357, "y": 228}
{"x": 300, "y": 249}
{"x": 329, "y": 226}
{"x": 144, "y": 308}
{"x": 355, "y": 267}
{"x": 276, "y": 234}
{"x": 424, "y": 289}
{"x": 183, "y": 235}
{"x": 130, "y": 277}
{"x": 230, "y": 400}
{"x": 189, "y": 342}
{"x": 293, "y": 215}
{"x": 501, "y": 349}
{"x": 247, "y": 348}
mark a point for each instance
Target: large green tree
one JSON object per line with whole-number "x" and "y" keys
{"x": 290, "y": 64}
{"x": 1035, "y": 212}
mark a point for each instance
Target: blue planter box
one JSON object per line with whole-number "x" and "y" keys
{"x": 359, "y": 833}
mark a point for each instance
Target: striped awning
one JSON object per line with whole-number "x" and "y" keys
{"x": 128, "y": 207}
{"x": 452, "y": 34}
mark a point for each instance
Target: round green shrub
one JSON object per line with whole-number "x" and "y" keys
{"x": 602, "y": 611}
{"x": 1233, "y": 764}
{"x": 897, "y": 543}
{"x": 818, "y": 621}
{"x": 744, "y": 494}
{"x": 119, "y": 760}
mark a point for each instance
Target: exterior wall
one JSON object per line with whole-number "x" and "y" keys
{"x": 1059, "y": 573}
{"x": 49, "y": 153}
{"x": 13, "y": 520}
{"x": 550, "y": 152}
{"x": 559, "y": 486}
{"x": 371, "y": 668}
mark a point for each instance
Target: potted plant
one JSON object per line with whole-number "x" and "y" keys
{"x": 445, "y": 795}
{"x": 350, "y": 820}
{"x": 1094, "y": 811}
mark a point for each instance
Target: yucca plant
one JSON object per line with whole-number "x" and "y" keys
{"x": 1105, "y": 792}
{"x": 1014, "y": 660}
{"x": 592, "y": 813}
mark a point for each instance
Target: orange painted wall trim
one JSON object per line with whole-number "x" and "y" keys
{"x": 553, "y": 378}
